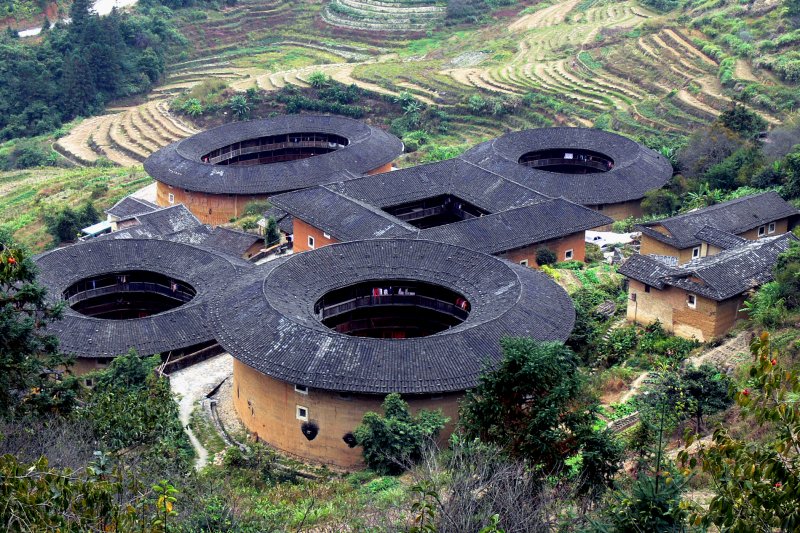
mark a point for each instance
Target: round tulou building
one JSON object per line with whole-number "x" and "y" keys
{"x": 215, "y": 173}
{"x": 316, "y": 348}
{"x": 149, "y": 295}
{"x": 600, "y": 170}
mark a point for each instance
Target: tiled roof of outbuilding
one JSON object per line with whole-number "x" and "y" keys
{"x": 180, "y": 164}
{"x": 516, "y": 228}
{"x": 130, "y": 206}
{"x": 720, "y": 239}
{"x": 453, "y": 176}
{"x": 231, "y": 241}
{"x": 343, "y": 218}
{"x": 177, "y": 328}
{"x": 267, "y": 321}
{"x": 636, "y": 170}
{"x": 735, "y": 216}
{"x": 722, "y": 276}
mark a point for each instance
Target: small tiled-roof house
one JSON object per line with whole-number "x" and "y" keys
{"x": 700, "y": 299}
{"x": 710, "y": 230}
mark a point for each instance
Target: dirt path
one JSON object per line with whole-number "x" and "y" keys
{"x": 191, "y": 385}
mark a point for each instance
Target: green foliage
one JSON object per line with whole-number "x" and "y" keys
{"x": 65, "y": 225}
{"x": 318, "y": 79}
{"x": 131, "y": 406}
{"x": 756, "y": 480}
{"x": 78, "y": 67}
{"x": 26, "y": 153}
{"x": 534, "y": 405}
{"x": 393, "y": 440}
{"x": 434, "y": 152}
{"x": 660, "y": 202}
{"x": 787, "y": 275}
{"x": 662, "y": 5}
{"x": 743, "y": 121}
{"x": 27, "y": 352}
{"x": 240, "y": 106}
{"x": 256, "y": 208}
{"x": 273, "y": 235}
{"x": 766, "y": 307}
{"x": 545, "y": 256}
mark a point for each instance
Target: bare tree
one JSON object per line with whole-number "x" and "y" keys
{"x": 473, "y": 482}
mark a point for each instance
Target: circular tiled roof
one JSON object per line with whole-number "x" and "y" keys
{"x": 637, "y": 169}
{"x": 180, "y": 164}
{"x": 177, "y": 328}
{"x": 267, "y": 321}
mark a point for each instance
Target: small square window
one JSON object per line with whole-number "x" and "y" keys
{"x": 567, "y": 255}
{"x": 647, "y": 288}
{"x": 302, "y": 413}
{"x": 762, "y": 230}
{"x": 695, "y": 252}
{"x": 771, "y": 228}
{"x": 302, "y": 389}
{"x": 691, "y": 301}
{"x": 311, "y": 242}
{"x": 524, "y": 262}
{"x": 171, "y": 198}
{"x": 326, "y": 235}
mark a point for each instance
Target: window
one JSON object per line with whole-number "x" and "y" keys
{"x": 171, "y": 198}
{"x": 771, "y": 228}
{"x": 89, "y": 382}
{"x": 302, "y": 389}
{"x": 647, "y": 288}
{"x": 568, "y": 255}
{"x": 310, "y": 242}
{"x": 302, "y": 413}
{"x": 691, "y": 300}
{"x": 695, "y": 252}
{"x": 524, "y": 262}
{"x": 762, "y": 230}
{"x": 326, "y": 235}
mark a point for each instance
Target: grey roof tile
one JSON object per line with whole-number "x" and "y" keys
{"x": 636, "y": 170}
{"x": 266, "y": 320}
{"x": 180, "y": 164}
{"x": 721, "y": 276}
{"x": 735, "y": 216}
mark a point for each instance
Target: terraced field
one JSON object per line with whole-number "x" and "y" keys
{"x": 583, "y": 60}
{"x": 384, "y": 15}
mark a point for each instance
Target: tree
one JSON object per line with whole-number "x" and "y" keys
{"x": 240, "y": 107}
{"x": 707, "y": 391}
{"x": 707, "y": 148}
{"x": 534, "y": 405}
{"x": 787, "y": 275}
{"x": 660, "y": 202}
{"x": 545, "y": 256}
{"x": 757, "y": 482}
{"x": 273, "y": 235}
{"x": 28, "y": 355}
{"x": 66, "y": 225}
{"x": 746, "y": 123}
{"x": 393, "y": 440}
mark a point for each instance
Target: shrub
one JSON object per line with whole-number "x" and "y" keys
{"x": 397, "y": 438}
{"x": 545, "y": 256}
{"x": 660, "y": 202}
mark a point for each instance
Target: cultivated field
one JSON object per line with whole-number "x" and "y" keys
{"x": 585, "y": 62}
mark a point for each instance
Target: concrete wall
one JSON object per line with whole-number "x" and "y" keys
{"x": 575, "y": 242}
{"x": 708, "y": 320}
{"x": 268, "y": 408}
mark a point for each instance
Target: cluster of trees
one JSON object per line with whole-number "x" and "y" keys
{"x": 80, "y": 66}
{"x": 65, "y": 225}
{"x": 734, "y": 155}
